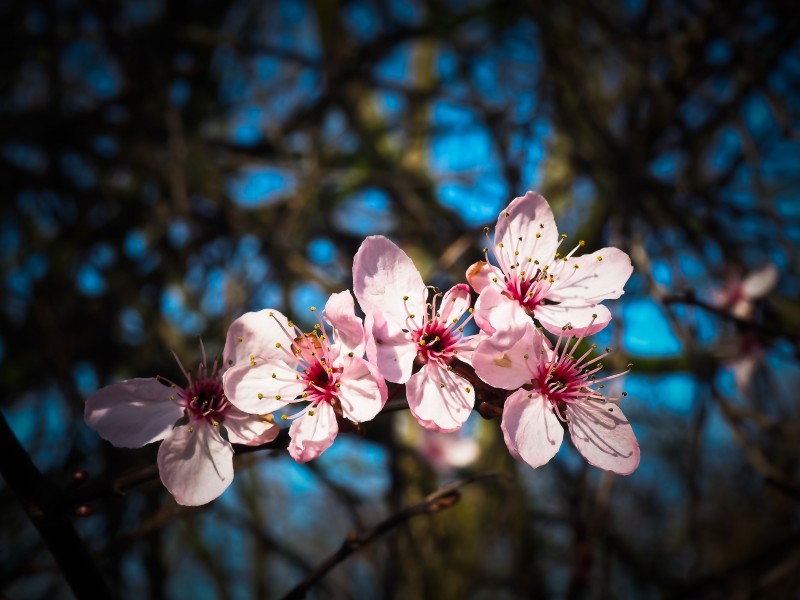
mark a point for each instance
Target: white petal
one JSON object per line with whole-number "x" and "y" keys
{"x": 252, "y": 430}
{"x": 132, "y": 413}
{"x": 394, "y": 349}
{"x": 531, "y": 430}
{"x": 482, "y": 274}
{"x": 382, "y": 276}
{"x": 264, "y": 335}
{"x": 759, "y": 283}
{"x": 454, "y": 304}
{"x": 439, "y": 399}
{"x": 511, "y": 368}
{"x": 600, "y": 276}
{"x": 602, "y": 434}
{"x": 348, "y": 332}
{"x": 312, "y": 434}
{"x": 195, "y": 463}
{"x": 524, "y": 218}
{"x": 254, "y": 390}
{"x": 584, "y": 320}
{"x": 501, "y": 317}
{"x": 362, "y": 392}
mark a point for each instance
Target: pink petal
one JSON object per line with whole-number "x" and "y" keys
{"x": 195, "y": 463}
{"x": 394, "y": 349}
{"x": 760, "y": 283}
{"x": 132, "y": 413}
{"x": 435, "y": 407}
{"x": 454, "y": 303}
{"x": 594, "y": 280}
{"x": 348, "y": 332}
{"x": 255, "y": 334}
{"x": 362, "y": 392}
{"x": 525, "y": 217}
{"x": 254, "y": 390}
{"x": 602, "y": 434}
{"x": 252, "y": 430}
{"x": 531, "y": 430}
{"x": 554, "y": 317}
{"x": 382, "y": 276}
{"x": 313, "y": 434}
{"x": 510, "y": 369}
{"x": 501, "y": 317}
{"x": 482, "y": 274}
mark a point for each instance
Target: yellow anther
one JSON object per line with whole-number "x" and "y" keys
{"x": 575, "y": 266}
{"x": 441, "y": 385}
{"x": 411, "y": 315}
{"x": 350, "y": 354}
{"x": 563, "y": 236}
{"x": 270, "y": 313}
{"x": 581, "y": 243}
{"x": 312, "y": 308}
{"x": 405, "y": 298}
{"x": 274, "y": 376}
{"x": 599, "y": 258}
{"x": 500, "y": 245}
{"x": 260, "y": 396}
{"x": 468, "y": 390}
{"x": 311, "y": 413}
{"x": 277, "y": 344}
{"x": 191, "y": 429}
{"x": 277, "y": 396}
{"x": 338, "y": 385}
{"x": 485, "y": 230}
{"x": 284, "y": 418}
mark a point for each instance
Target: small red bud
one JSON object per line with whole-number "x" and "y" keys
{"x": 84, "y": 510}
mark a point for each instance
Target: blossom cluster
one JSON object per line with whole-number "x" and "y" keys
{"x": 518, "y": 352}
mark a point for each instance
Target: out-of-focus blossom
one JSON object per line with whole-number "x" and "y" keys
{"x": 738, "y": 296}
{"x": 403, "y": 328}
{"x": 196, "y": 422}
{"x": 447, "y": 452}
{"x": 557, "y": 388}
{"x": 533, "y": 280}
{"x": 277, "y": 364}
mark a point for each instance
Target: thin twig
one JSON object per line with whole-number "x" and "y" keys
{"x": 445, "y": 497}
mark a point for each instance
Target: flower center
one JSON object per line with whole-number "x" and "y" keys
{"x": 321, "y": 382}
{"x": 530, "y": 293}
{"x": 434, "y": 340}
{"x": 205, "y": 399}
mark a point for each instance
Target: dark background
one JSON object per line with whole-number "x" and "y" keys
{"x": 166, "y": 166}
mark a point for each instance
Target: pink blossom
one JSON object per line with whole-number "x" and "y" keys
{"x": 739, "y": 294}
{"x": 533, "y": 280}
{"x": 552, "y": 388}
{"x": 196, "y": 422}
{"x": 289, "y": 366}
{"x": 446, "y": 452}
{"x": 404, "y": 328}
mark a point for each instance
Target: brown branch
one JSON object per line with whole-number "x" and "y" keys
{"x": 39, "y": 499}
{"x": 443, "y": 498}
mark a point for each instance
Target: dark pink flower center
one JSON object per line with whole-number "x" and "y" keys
{"x": 205, "y": 399}
{"x": 321, "y": 382}
{"x": 564, "y": 383}
{"x": 530, "y": 292}
{"x": 435, "y": 341}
